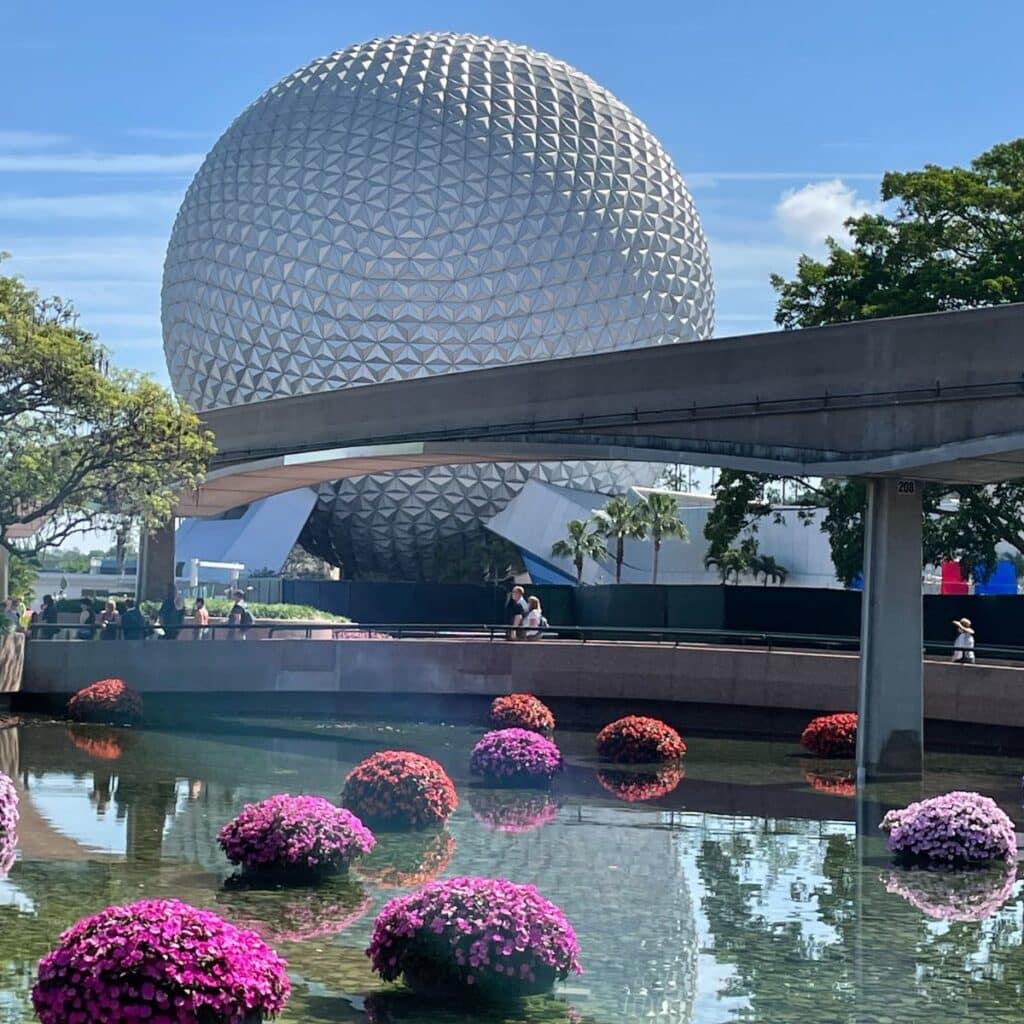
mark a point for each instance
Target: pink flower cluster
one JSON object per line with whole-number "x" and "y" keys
{"x": 161, "y": 961}
{"x": 486, "y": 933}
{"x": 831, "y": 735}
{"x": 109, "y": 700}
{"x": 304, "y": 835}
{"x": 639, "y": 740}
{"x": 635, "y": 787}
{"x": 516, "y": 757}
{"x": 400, "y": 789}
{"x": 521, "y": 711}
{"x": 954, "y": 895}
{"x": 512, "y": 812}
{"x": 8, "y": 824}
{"x": 955, "y": 829}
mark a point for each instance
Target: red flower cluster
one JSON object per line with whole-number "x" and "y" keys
{"x": 110, "y": 700}
{"x": 399, "y": 789}
{"x": 831, "y": 735}
{"x": 400, "y": 862}
{"x": 103, "y": 744}
{"x": 639, "y": 786}
{"x": 521, "y": 711}
{"x": 833, "y": 781}
{"x": 638, "y": 740}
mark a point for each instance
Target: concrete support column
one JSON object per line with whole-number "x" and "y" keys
{"x": 5, "y": 575}
{"x": 890, "y": 701}
{"x": 155, "y": 570}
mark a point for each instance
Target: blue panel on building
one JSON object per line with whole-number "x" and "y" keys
{"x": 541, "y": 572}
{"x": 1002, "y": 581}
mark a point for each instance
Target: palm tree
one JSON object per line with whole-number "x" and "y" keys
{"x": 660, "y": 515}
{"x": 766, "y": 566}
{"x": 580, "y": 544}
{"x": 620, "y": 520}
{"x": 731, "y": 562}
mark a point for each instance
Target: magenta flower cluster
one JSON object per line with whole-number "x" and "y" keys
{"x": 515, "y": 756}
{"x": 8, "y": 823}
{"x": 956, "y": 829}
{"x": 484, "y": 933}
{"x": 954, "y": 895}
{"x": 295, "y": 834}
{"x": 163, "y": 962}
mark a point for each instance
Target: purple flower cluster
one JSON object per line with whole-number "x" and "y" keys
{"x": 491, "y": 935}
{"x": 954, "y": 895}
{"x": 956, "y": 829}
{"x": 304, "y": 835}
{"x": 515, "y": 757}
{"x": 161, "y": 961}
{"x": 8, "y": 824}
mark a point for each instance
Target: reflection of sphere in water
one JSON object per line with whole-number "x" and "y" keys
{"x": 953, "y": 895}
{"x": 296, "y": 915}
{"x": 400, "y": 860}
{"x": 512, "y": 811}
{"x": 639, "y": 786}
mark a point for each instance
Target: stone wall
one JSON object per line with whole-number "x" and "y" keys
{"x": 12, "y": 651}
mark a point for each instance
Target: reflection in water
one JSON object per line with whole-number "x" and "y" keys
{"x": 683, "y": 917}
{"x": 638, "y": 786}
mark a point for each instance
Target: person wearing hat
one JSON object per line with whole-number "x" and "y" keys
{"x": 963, "y": 646}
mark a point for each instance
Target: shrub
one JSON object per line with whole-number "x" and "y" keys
{"x": 635, "y": 787}
{"x": 833, "y": 781}
{"x": 297, "y": 915}
{"x": 831, "y": 735}
{"x": 957, "y": 829}
{"x": 515, "y": 757}
{"x": 8, "y": 824}
{"x": 402, "y": 861}
{"x": 110, "y": 701}
{"x": 512, "y": 812}
{"x": 296, "y": 836}
{"x": 521, "y": 711}
{"x": 954, "y": 895}
{"x": 400, "y": 789}
{"x": 638, "y": 740}
{"x": 159, "y": 960}
{"x": 105, "y": 743}
{"x": 482, "y": 935}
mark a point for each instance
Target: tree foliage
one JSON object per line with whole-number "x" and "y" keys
{"x": 581, "y": 543}
{"x": 82, "y": 444}
{"x": 659, "y": 514}
{"x": 619, "y": 520}
{"x": 953, "y": 239}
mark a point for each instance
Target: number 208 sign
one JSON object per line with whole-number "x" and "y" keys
{"x": 906, "y": 487}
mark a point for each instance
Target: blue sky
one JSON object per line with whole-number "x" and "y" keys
{"x": 781, "y": 117}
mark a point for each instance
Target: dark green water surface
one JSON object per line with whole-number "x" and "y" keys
{"x": 742, "y": 894}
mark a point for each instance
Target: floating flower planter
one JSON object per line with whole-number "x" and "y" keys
{"x": 636, "y": 787}
{"x": 638, "y": 740}
{"x": 515, "y": 757}
{"x": 831, "y": 735}
{"x": 397, "y": 789}
{"x": 512, "y": 811}
{"x": 294, "y": 838}
{"x": 521, "y": 711}
{"x": 400, "y": 861}
{"x": 480, "y": 937}
{"x": 8, "y": 824}
{"x": 159, "y": 960}
{"x": 110, "y": 701}
{"x": 954, "y": 895}
{"x": 958, "y": 829}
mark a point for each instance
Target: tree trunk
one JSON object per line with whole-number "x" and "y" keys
{"x": 654, "y": 567}
{"x": 619, "y": 555}
{"x": 579, "y": 568}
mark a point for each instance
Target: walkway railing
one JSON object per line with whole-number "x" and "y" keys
{"x": 763, "y": 640}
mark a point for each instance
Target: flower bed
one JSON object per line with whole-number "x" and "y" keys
{"x": 8, "y": 824}
{"x": 833, "y": 781}
{"x": 296, "y": 915}
{"x": 402, "y": 861}
{"x": 638, "y": 786}
{"x": 515, "y": 757}
{"x": 957, "y": 829}
{"x": 110, "y": 701}
{"x": 638, "y": 740}
{"x": 105, "y": 743}
{"x": 295, "y": 837}
{"x": 481, "y": 936}
{"x": 831, "y": 735}
{"x": 521, "y": 711}
{"x": 399, "y": 789}
{"x": 512, "y": 812}
{"x": 159, "y": 960}
{"x": 966, "y": 896}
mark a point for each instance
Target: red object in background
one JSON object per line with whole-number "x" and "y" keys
{"x": 953, "y": 581}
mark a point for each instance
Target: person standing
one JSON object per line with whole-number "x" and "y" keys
{"x": 515, "y": 612}
{"x": 47, "y": 615}
{"x": 110, "y": 621}
{"x": 239, "y": 616}
{"x": 171, "y": 614}
{"x": 534, "y": 622}
{"x": 201, "y": 615}
{"x": 133, "y": 623}
{"x": 963, "y": 646}
{"x": 86, "y": 620}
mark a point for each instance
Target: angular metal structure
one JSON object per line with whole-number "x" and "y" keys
{"x": 426, "y": 204}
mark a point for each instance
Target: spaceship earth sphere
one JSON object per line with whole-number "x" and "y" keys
{"x": 427, "y": 204}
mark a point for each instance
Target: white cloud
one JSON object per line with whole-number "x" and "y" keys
{"x": 100, "y": 206}
{"x": 818, "y": 210}
{"x": 11, "y": 140}
{"x": 102, "y": 163}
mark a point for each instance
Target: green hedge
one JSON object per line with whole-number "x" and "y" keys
{"x": 217, "y": 606}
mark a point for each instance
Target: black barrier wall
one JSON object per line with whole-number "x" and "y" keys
{"x": 998, "y": 620}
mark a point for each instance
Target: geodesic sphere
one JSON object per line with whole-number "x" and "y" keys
{"x": 426, "y": 204}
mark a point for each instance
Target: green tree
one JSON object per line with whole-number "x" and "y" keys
{"x": 659, "y": 514}
{"x": 953, "y": 238}
{"x": 581, "y": 543}
{"x": 620, "y": 520}
{"x": 22, "y": 572}
{"x": 82, "y": 444}
{"x": 766, "y": 566}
